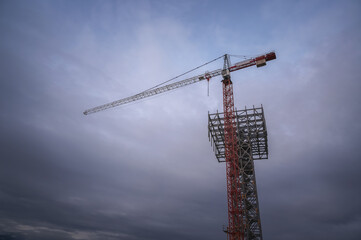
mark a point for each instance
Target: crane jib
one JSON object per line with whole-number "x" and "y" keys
{"x": 259, "y": 61}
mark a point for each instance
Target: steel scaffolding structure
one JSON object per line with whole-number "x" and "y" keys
{"x": 251, "y": 144}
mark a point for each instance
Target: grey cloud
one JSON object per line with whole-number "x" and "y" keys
{"x": 147, "y": 171}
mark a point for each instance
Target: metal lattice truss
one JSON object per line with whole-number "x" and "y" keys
{"x": 250, "y": 125}
{"x": 251, "y": 145}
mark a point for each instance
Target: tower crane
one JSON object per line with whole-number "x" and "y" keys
{"x": 230, "y": 138}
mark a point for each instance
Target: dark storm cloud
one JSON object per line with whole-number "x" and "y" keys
{"x": 39, "y": 190}
{"x": 52, "y": 188}
{"x": 52, "y": 183}
{"x": 147, "y": 171}
{"x": 315, "y": 180}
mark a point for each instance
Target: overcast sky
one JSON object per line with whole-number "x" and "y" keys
{"x": 146, "y": 170}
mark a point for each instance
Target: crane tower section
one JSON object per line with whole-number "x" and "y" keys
{"x": 248, "y": 127}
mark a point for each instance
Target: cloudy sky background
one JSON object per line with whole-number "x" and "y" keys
{"x": 146, "y": 170}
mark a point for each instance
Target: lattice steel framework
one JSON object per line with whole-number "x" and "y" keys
{"x": 249, "y": 129}
{"x": 235, "y": 229}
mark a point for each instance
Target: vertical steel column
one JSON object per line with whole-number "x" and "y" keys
{"x": 251, "y": 216}
{"x": 235, "y": 229}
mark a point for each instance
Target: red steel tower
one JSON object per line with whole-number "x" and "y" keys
{"x": 234, "y": 197}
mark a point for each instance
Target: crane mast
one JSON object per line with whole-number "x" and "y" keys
{"x": 234, "y": 139}
{"x": 235, "y": 229}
